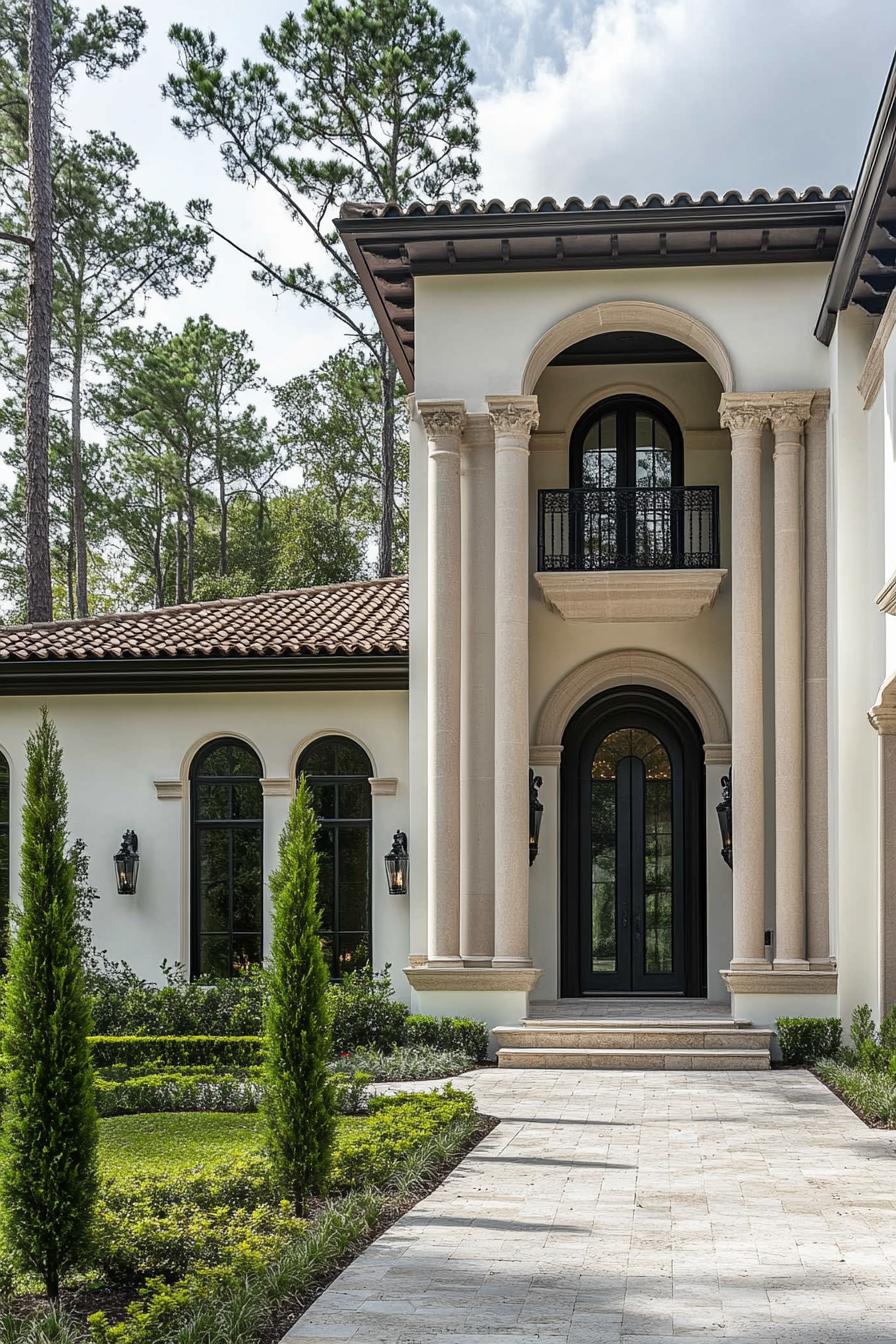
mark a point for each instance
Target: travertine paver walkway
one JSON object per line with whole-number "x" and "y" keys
{"x": 639, "y": 1207}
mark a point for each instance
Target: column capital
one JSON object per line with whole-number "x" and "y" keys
{"x": 789, "y": 411}
{"x": 516, "y": 417}
{"x": 784, "y": 411}
{"x": 443, "y": 419}
{"x": 740, "y": 411}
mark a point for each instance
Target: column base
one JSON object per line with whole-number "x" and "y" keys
{"x": 511, "y": 963}
{"x": 445, "y": 963}
{"x": 790, "y": 964}
{"x": 476, "y": 962}
{"x": 748, "y": 964}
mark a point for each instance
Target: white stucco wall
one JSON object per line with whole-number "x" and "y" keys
{"x": 856, "y": 635}
{"x": 115, "y": 747}
{"x": 474, "y": 334}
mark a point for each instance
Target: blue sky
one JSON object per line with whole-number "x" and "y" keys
{"x": 575, "y": 97}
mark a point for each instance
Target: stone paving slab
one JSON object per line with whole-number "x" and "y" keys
{"x": 631, "y": 1208}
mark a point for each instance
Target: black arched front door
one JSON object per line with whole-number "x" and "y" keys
{"x": 632, "y": 798}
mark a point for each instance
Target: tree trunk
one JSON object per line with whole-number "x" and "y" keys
{"x": 79, "y": 533}
{"x": 191, "y": 534}
{"x": 179, "y": 557}
{"x": 38, "y": 585}
{"x": 222, "y": 533}
{"x": 70, "y": 569}
{"x": 157, "y": 553}
{"x": 388, "y": 377}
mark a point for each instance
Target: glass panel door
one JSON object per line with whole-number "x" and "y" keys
{"x": 630, "y": 914}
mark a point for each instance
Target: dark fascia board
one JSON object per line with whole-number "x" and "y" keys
{"x": 877, "y": 166}
{"x": 373, "y": 296}
{"x": 145, "y": 676}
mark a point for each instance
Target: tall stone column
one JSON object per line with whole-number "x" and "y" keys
{"x": 514, "y": 419}
{"x": 745, "y": 418}
{"x": 444, "y": 423}
{"x": 818, "y": 932}
{"x": 788, "y": 413}
{"x": 477, "y": 693}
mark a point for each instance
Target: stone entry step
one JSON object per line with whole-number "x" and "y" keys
{"x": 638, "y": 1044}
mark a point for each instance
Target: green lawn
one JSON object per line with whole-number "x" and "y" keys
{"x": 133, "y": 1145}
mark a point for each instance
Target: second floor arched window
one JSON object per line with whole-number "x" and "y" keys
{"x": 627, "y": 441}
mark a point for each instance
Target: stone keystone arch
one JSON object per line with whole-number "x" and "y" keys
{"x": 628, "y": 315}
{"x": 634, "y": 667}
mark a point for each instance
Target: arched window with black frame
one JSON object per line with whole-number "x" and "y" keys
{"x": 338, "y": 771}
{"x": 626, "y": 465}
{"x": 227, "y": 864}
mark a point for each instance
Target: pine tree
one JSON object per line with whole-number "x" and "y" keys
{"x": 49, "y": 1172}
{"x": 299, "y": 1103}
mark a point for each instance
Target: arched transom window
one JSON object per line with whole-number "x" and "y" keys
{"x": 227, "y": 888}
{"x": 626, "y": 441}
{"x": 339, "y": 771}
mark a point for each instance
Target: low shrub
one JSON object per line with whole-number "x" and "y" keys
{"x": 126, "y": 1005}
{"x": 803, "y": 1040}
{"x": 366, "y": 1012}
{"x": 172, "y": 1091}
{"x": 136, "y": 1244}
{"x": 871, "y": 1092}
{"x": 397, "y": 1126}
{"x": 240, "y": 1051}
{"x": 460, "y": 1034}
{"x": 406, "y": 1063}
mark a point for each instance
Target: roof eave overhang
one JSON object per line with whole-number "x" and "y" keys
{"x": 875, "y": 174}
{"x": 363, "y": 235}
{"x": 134, "y": 676}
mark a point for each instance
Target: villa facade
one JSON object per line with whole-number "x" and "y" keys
{"x": 652, "y": 567}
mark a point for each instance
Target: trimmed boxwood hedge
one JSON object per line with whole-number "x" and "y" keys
{"x": 803, "y": 1040}
{"x": 239, "y": 1051}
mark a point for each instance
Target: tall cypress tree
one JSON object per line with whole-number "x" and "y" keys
{"x": 49, "y": 1173}
{"x": 299, "y": 1102}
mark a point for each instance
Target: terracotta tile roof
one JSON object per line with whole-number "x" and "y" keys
{"x": 368, "y": 617}
{"x": 548, "y": 204}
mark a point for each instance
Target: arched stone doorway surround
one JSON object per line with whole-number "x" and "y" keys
{"x": 628, "y": 315}
{"x": 630, "y": 667}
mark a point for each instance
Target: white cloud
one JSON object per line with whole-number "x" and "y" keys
{"x": 682, "y": 95}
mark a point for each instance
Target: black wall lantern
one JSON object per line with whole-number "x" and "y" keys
{"x": 536, "y": 811}
{"x": 397, "y": 865}
{"x": 127, "y": 864}
{"x": 724, "y": 812}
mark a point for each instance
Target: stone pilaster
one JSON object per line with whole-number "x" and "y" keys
{"x": 444, "y": 423}
{"x": 513, "y": 419}
{"x": 477, "y": 693}
{"x": 745, "y": 418}
{"x": 788, "y": 413}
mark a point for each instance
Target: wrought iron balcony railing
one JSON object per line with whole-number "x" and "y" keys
{"x": 629, "y": 528}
